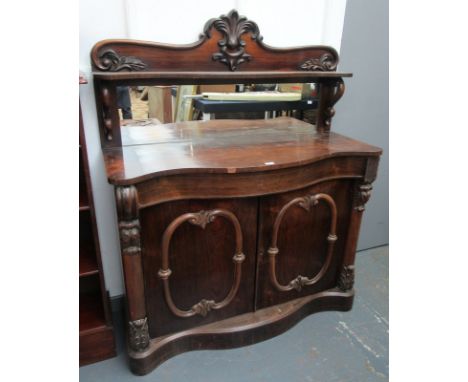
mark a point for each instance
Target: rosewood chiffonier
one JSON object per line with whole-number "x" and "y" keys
{"x": 231, "y": 231}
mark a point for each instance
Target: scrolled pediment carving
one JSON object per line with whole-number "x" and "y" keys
{"x": 232, "y": 46}
{"x": 325, "y": 63}
{"x": 110, "y": 61}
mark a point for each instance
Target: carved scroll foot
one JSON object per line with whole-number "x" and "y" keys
{"x": 138, "y": 334}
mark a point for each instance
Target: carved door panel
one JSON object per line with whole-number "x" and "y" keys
{"x": 302, "y": 237}
{"x": 198, "y": 262}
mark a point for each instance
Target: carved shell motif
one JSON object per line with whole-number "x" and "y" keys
{"x": 203, "y": 307}
{"x": 308, "y": 201}
{"x": 299, "y": 282}
{"x": 325, "y": 63}
{"x": 202, "y": 218}
{"x": 110, "y": 61}
{"x": 232, "y": 27}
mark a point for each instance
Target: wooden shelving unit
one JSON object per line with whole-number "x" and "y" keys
{"x": 96, "y": 332}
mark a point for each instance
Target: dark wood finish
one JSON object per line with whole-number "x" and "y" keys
{"x": 96, "y": 335}
{"x": 228, "y": 43}
{"x": 242, "y": 330}
{"x": 201, "y": 219}
{"x": 305, "y": 202}
{"x": 231, "y": 230}
{"x": 235, "y": 146}
{"x": 203, "y": 271}
{"x": 213, "y": 186}
{"x": 200, "y": 77}
{"x": 88, "y": 260}
{"x": 302, "y": 243}
{"x": 96, "y": 331}
{"x": 230, "y": 51}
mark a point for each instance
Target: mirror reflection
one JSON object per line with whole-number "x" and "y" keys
{"x": 155, "y": 105}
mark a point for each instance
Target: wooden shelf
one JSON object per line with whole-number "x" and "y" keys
{"x": 83, "y": 194}
{"x": 88, "y": 263}
{"x": 206, "y": 78}
{"x": 84, "y": 207}
{"x": 223, "y": 146}
{"x": 96, "y": 332}
{"x": 294, "y": 76}
{"x": 91, "y": 312}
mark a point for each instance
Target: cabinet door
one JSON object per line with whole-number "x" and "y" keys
{"x": 198, "y": 262}
{"x": 302, "y": 237}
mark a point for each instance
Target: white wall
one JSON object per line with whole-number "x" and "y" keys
{"x": 363, "y": 111}
{"x": 293, "y": 23}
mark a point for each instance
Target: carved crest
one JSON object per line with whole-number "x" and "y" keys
{"x": 110, "y": 61}
{"x": 138, "y": 334}
{"x": 346, "y": 279}
{"x": 325, "y": 63}
{"x": 231, "y": 46}
{"x": 202, "y": 218}
{"x": 203, "y": 307}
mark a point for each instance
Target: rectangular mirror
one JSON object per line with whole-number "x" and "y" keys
{"x": 142, "y": 108}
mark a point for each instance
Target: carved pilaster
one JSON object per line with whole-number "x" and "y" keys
{"x": 346, "y": 279}
{"x": 126, "y": 198}
{"x": 138, "y": 335}
{"x": 202, "y": 218}
{"x": 129, "y": 225}
{"x": 331, "y": 90}
{"x": 362, "y": 196}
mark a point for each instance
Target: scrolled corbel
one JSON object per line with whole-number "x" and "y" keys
{"x": 331, "y": 90}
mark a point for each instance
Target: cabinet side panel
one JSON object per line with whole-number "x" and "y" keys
{"x": 200, "y": 260}
{"x": 302, "y": 241}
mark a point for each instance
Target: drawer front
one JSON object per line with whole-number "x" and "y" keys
{"x": 302, "y": 236}
{"x": 198, "y": 262}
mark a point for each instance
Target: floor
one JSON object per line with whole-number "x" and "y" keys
{"x": 324, "y": 347}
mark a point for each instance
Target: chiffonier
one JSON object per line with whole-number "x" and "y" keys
{"x": 231, "y": 231}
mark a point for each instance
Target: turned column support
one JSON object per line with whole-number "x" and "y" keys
{"x": 361, "y": 195}
{"x": 130, "y": 246}
{"x": 330, "y": 91}
{"x": 109, "y": 121}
